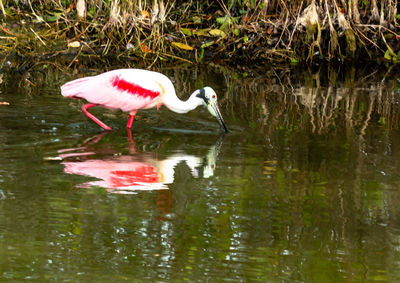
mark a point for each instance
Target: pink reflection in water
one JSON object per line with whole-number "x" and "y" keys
{"x": 134, "y": 172}
{"x": 118, "y": 174}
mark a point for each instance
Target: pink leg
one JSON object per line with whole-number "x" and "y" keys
{"x": 91, "y": 116}
{"x": 130, "y": 120}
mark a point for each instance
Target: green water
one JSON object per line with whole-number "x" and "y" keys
{"x": 305, "y": 187}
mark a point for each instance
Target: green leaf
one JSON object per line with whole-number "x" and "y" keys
{"x": 236, "y": 32}
{"x": 387, "y": 55}
{"x": 186, "y": 31}
{"x": 226, "y": 21}
{"x": 207, "y": 44}
{"x": 245, "y": 38}
{"x": 91, "y": 13}
{"x": 294, "y": 61}
{"x": 201, "y": 55}
{"x": 196, "y": 20}
{"x": 53, "y": 18}
{"x": 222, "y": 20}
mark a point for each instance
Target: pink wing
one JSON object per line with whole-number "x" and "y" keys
{"x": 125, "y": 89}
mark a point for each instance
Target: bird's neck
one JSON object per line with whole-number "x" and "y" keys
{"x": 179, "y": 106}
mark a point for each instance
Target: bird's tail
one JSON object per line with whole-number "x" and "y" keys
{"x": 75, "y": 87}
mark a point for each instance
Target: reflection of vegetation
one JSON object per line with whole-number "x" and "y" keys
{"x": 277, "y": 99}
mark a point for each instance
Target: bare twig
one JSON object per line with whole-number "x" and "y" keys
{"x": 44, "y": 43}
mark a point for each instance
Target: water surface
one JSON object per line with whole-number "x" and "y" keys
{"x": 305, "y": 187}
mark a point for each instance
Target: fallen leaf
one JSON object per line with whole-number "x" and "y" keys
{"x": 202, "y": 32}
{"x": 74, "y": 44}
{"x": 182, "y": 46}
{"x": 246, "y": 19}
{"x": 145, "y": 14}
{"x": 144, "y": 47}
{"x": 217, "y": 32}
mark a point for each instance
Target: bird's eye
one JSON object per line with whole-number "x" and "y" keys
{"x": 213, "y": 96}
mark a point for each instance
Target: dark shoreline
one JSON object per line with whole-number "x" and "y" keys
{"x": 252, "y": 33}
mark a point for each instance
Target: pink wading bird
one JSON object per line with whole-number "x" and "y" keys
{"x": 134, "y": 89}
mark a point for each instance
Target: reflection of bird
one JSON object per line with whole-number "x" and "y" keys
{"x": 137, "y": 171}
{"x": 134, "y": 89}
{"x": 127, "y": 174}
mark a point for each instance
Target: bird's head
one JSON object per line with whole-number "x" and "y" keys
{"x": 209, "y": 100}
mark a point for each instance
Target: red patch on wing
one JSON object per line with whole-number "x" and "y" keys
{"x": 132, "y": 88}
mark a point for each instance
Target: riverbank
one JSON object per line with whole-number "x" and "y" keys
{"x": 194, "y": 32}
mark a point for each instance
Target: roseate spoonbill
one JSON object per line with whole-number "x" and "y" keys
{"x": 134, "y": 89}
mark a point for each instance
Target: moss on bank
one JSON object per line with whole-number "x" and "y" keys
{"x": 194, "y": 31}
